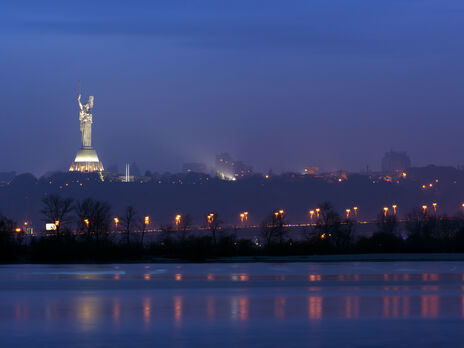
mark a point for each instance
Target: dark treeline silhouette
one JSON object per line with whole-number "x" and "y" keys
{"x": 85, "y": 232}
{"x": 162, "y": 197}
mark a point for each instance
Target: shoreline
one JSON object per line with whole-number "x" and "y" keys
{"x": 406, "y": 257}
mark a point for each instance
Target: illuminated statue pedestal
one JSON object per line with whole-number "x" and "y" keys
{"x": 86, "y": 161}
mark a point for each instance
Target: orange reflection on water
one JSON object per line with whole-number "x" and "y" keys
{"x": 406, "y": 277}
{"x": 279, "y": 307}
{"x": 430, "y": 306}
{"x": 243, "y": 305}
{"x": 406, "y": 306}
{"x": 147, "y": 276}
{"x": 87, "y": 310}
{"x": 352, "y": 306}
{"x": 315, "y": 307}
{"x": 429, "y": 277}
{"x": 314, "y": 277}
{"x": 117, "y": 276}
{"x": 116, "y": 309}
{"x": 280, "y": 278}
{"x": 356, "y": 277}
{"x": 244, "y": 277}
{"x": 178, "y": 277}
{"x": 210, "y": 277}
{"x": 146, "y": 310}
{"x": 210, "y": 307}
{"x": 239, "y": 307}
{"x": 21, "y": 312}
{"x": 178, "y": 304}
{"x": 394, "y": 306}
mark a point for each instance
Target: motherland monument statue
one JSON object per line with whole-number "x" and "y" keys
{"x": 86, "y": 159}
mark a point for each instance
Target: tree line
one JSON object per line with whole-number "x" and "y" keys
{"x": 86, "y": 231}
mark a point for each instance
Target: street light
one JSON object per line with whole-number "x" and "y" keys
{"x": 355, "y": 211}
{"x": 317, "y": 212}
{"x": 210, "y": 218}
{"x": 394, "y": 206}
{"x": 147, "y": 220}
{"x": 434, "y": 207}
{"x": 385, "y": 211}
{"x": 311, "y": 213}
{"x": 57, "y": 223}
{"x": 348, "y": 213}
{"x": 116, "y": 222}
{"x": 424, "y": 208}
{"x": 87, "y": 222}
{"x": 244, "y": 217}
{"x": 178, "y": 219}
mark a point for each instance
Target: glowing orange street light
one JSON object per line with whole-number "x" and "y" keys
{"x": 424, "y": 208}
{"x": 87, "y": 222}
{"x": 246, "y": 215}
{"x": 242, "y": 217}
{"x": 57, "y": 223}
{"x": 147, "y": 220}
{"x": 385, "y": 211}
{"x": 178, "y": 219}
{"x": 210, "y": 218}
{"x": 281, "y": 212}
{"x": 355, "y": 211}
{"x": 394, "y": 206}
{"x": 434, "y": 207}
{"x": 317, "y": 212}
{"x": 116, "y": 222}
{"x": 348, "y": 213}
{"x": 311, "y": 213}
{"x": 18, "y": 229}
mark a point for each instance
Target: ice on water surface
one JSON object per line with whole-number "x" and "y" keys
{"x": 248, "y": 304}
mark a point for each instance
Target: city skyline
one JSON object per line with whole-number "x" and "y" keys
{"x": 283, "y": 87}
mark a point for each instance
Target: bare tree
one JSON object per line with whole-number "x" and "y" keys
{"x": 129, "y": 222}
{"x": 274, "y": 227}
{"x": 184, "y": 227}
{"x": 387, "y": 222}
{"x": 214, "y": 224}
{"x": 57, "y": 210}
{"x": 94, "y": 218}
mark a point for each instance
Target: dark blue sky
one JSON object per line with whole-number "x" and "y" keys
{"x": 279, "y": 84}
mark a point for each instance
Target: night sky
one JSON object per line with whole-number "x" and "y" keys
{"x": 278, "y": 84}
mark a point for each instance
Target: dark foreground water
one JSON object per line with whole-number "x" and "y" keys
{"x": 384, "y": 304}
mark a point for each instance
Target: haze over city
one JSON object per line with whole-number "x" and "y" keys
{"x": 282, "y": 86}
{"x": 182, "y": 173}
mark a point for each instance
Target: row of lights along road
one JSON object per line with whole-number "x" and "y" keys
{"x": 244, "y": 216}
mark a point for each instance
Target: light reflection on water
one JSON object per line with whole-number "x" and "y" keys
{"x": 150, "y": 296}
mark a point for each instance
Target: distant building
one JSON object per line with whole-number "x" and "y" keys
{"x": 310, "y": 170}
{"x": 394, "y": 161}
{"x": 194, "y": 167}
{"x": 229, "y": 169}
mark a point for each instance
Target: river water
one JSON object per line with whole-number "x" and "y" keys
{"x": 344, "y": 304}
